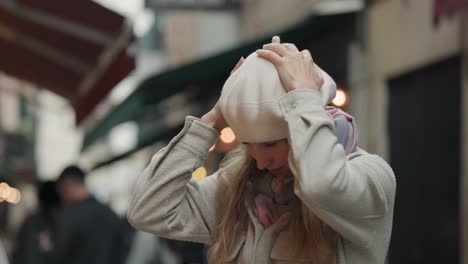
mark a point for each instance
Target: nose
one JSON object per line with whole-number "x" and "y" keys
{"x": 261, "y": 163}
{"x": 262, "y": 159}
{"x": 260, "y": 156}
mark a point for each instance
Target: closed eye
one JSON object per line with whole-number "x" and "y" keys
{"x": 270, "y": 144}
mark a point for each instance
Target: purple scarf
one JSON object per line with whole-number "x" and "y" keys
{"x": 345, "y": 128}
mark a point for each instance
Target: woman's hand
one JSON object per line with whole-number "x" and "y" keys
{"x": 214, "y": 117}
{"x": 296, "y": 69}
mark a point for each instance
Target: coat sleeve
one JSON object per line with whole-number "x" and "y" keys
{"x": 167, "y": 201}
{"x": 353, "y": 193}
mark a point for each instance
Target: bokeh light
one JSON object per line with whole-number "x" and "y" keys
{"x": 227, "y": 135}
{"x": 340, "y": 98}
{"x": 212, "y": 148}
{"x": 200, "y": 173}
{"x": 9, "y": 194}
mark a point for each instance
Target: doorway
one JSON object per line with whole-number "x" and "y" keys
{"x": 424, "y": 129}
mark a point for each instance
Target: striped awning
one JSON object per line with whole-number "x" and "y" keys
{"x": 75, "y": 48}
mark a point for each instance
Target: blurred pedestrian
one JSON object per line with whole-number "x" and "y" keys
{"x": 36, "y": 236}
{"x": 88, "y": 231}
{"x": 297, "y": 190}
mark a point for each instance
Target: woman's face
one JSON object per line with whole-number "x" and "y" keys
{"x": 271, "y": 156}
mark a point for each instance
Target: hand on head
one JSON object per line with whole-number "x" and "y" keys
{"x": 295, "y": 68}
{"x": 214, "y": 118}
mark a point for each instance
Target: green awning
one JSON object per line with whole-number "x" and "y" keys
{"x": 165, "y": 84}
{"x": 148, "y": 133}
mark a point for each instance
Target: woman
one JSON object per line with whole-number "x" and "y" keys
{"x": 291, "y": 194}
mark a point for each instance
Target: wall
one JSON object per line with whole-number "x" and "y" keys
{"x": 191, "y": 35}
{"x": 401, "y": 37}
{"x": 263, "y": 17}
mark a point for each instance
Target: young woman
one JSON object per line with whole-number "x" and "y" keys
{"x": 296, "y": 191}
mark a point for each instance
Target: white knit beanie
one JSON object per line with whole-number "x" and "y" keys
{"x": 250, "y": 98}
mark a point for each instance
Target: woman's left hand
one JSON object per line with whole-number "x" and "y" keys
{"x": 296, "y": 69}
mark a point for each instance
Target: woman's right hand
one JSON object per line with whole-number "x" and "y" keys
{"x": 296, "y": 68}
{"x": 214, "y": 117}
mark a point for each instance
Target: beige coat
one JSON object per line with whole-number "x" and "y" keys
{"x": 352, "y": 194}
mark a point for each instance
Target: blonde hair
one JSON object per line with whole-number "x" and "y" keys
{"x": 233, "y": 220}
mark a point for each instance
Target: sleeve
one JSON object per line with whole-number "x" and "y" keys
{"x": 353, "y": 193}
{"x": 167, "y": 201}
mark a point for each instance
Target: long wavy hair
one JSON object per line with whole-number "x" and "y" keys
{"x": 232, "y": 219}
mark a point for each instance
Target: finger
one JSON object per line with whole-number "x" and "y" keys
{"x": 291, "y": 47}
{"x": 270, "y": 56}
{"x": 318, "y": 72}
{"x": 306, "y": 54}
{"x": 280, "y": 49}
{"x": 276, "y": 39}
{"x": 239, "y": 63}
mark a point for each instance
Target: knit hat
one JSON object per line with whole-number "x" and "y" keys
{"x": 249, "y": 101}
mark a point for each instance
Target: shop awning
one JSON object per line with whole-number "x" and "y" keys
{"x": 75, "y": 48}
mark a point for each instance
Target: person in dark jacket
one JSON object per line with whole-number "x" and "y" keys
{"x": 87, "y": 231}
{"x": 35, "y": 238}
